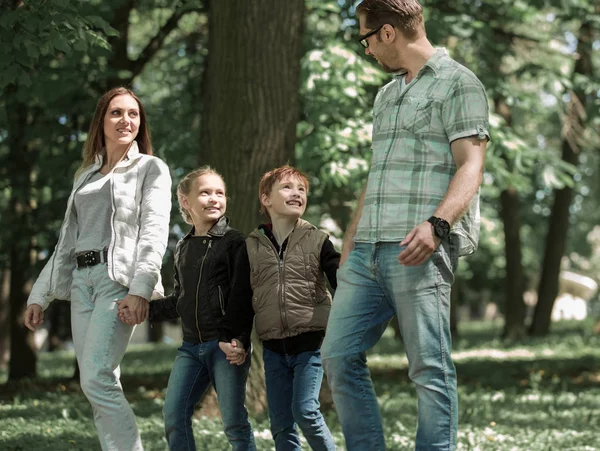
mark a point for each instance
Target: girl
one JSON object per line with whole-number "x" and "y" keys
{"x": 110, "y": 248}
{"x": 204, "y": 275}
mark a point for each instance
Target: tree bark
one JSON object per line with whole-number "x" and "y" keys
{"x": 514, "y": 302}
{"x": 556, "y": 239}
{"x": 22, "y": 346}
{"x": 250, "y": 110}
{"x": 510, "y": 212}
{"x": 4, "y": 316}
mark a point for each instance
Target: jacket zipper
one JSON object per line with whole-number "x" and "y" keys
{"x": 221, "y": 300}
{"x": 198, "y": 290}
{"x": 112, "y": 226}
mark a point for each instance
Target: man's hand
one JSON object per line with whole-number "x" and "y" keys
{"x": 420, "y": 244}
{"x": 34, "y": 316}
{"x": 133, "y": 308}
{"x": 234, "y": 351}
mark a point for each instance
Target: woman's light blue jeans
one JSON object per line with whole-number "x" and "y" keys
{"x": 100, "y": 341}
{"x": 372, "y": 287}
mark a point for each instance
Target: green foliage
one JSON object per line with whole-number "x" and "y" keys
{"x": 334, "y": 131}
{"x": 40, "y": 29}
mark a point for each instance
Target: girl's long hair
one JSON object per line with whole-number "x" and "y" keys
{"x": 95, "y": 139}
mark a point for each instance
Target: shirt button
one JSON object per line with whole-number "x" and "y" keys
{"x": 375, "y": 203}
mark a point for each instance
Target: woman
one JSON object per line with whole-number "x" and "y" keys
{"x": 110, "y": 249}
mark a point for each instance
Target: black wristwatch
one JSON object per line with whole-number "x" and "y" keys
{"x": 441, "y": 228}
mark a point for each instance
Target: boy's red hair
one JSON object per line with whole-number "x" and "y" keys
{"x": 267, "y": 181}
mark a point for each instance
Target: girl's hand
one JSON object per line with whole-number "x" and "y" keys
{"x": 34, "y": 316}
{"x": 124, "y": 315}
{"x": 136, "y": 308}
{"x": 234, "y": 351}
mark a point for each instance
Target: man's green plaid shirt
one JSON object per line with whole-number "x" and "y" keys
{"x": 412, "y": 165}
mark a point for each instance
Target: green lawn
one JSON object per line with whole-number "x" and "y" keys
{"x": 542, "y": 394}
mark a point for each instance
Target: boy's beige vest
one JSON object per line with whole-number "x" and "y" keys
{"x": 290, "y": 296}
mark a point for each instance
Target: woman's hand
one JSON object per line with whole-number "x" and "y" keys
{"x": 34, "y": 316}
{"x": 137, "y": 309}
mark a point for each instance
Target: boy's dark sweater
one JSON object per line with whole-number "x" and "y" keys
{"x": 241, "y": 314}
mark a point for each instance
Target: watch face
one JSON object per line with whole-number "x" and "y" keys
{"x": 442, "y": 228}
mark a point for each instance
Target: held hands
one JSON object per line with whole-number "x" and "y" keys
{"x": 33, "y": 317}
{"x": 420, "y": 244}
{"x": 133, "y": 309}
{"x": 234, "y": 351}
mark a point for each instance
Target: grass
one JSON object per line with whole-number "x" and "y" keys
{"x": 540, "y": 394}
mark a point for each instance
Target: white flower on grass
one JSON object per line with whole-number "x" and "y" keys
{"x": 264, "y": 434}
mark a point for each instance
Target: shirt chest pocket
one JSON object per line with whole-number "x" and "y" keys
{"x": 384, "y": 118}
{"x": 416, "y": 114}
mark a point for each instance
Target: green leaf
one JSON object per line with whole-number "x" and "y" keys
{"x": 60, "y": 43}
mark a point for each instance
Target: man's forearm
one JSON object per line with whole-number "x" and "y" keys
{"x": 463, "y": 187}
{"x": 351, "y": 230}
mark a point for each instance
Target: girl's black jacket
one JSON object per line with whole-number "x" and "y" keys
{"x": 205, "y": 269}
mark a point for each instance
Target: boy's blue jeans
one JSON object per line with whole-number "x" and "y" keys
{"x": 196, "y": 366}
{"x": 372, "y": 287}
{"x": 293, "y": 386}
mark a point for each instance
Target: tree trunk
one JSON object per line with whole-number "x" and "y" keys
{"x": 22, "y": 347}
{"x": 250, "y": 109}
{"x": 556, "y": 239}
{"x": 4, "y": 317}
{"x": 514, "y": 302}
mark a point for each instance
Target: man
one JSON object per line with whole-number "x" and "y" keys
{"x": 417, "y": 213}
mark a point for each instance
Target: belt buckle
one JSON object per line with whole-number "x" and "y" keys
{"x": 90, "y": 258}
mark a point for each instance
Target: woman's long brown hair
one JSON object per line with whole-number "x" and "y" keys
{"x": 95, "y": 139}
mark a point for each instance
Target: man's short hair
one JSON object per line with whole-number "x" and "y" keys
{"x": 405, "y": 15}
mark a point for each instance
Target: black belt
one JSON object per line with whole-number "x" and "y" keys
{"x": 91, "y": 258}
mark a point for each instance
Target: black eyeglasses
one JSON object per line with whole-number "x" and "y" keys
{"x": 363, "y": 39}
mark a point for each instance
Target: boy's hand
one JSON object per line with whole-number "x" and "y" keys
{"x": 234, "y": 351}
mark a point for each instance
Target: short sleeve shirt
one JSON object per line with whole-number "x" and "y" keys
{"x": 412, "y": 163}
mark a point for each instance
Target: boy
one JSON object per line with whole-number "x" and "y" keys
{"x": 282, "y": 286}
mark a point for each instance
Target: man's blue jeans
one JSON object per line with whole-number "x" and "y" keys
{"x": 196, "y": 367}
{"x": 293, "y": 386}
{"x": 372, "y": 287}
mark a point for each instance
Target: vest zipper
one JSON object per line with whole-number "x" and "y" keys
{"x": 198, "y": 289}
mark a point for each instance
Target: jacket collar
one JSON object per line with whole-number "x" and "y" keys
{"x": 298, "y": 231}
{"x": 133, "y": 153}
{"x": 220, "y": 228}
{"x": 434, "y": 62}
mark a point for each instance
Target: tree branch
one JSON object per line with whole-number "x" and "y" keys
{"x": 156, "y": 43}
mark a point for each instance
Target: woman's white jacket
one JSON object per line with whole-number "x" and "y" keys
{"x": 141, "y": 208}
